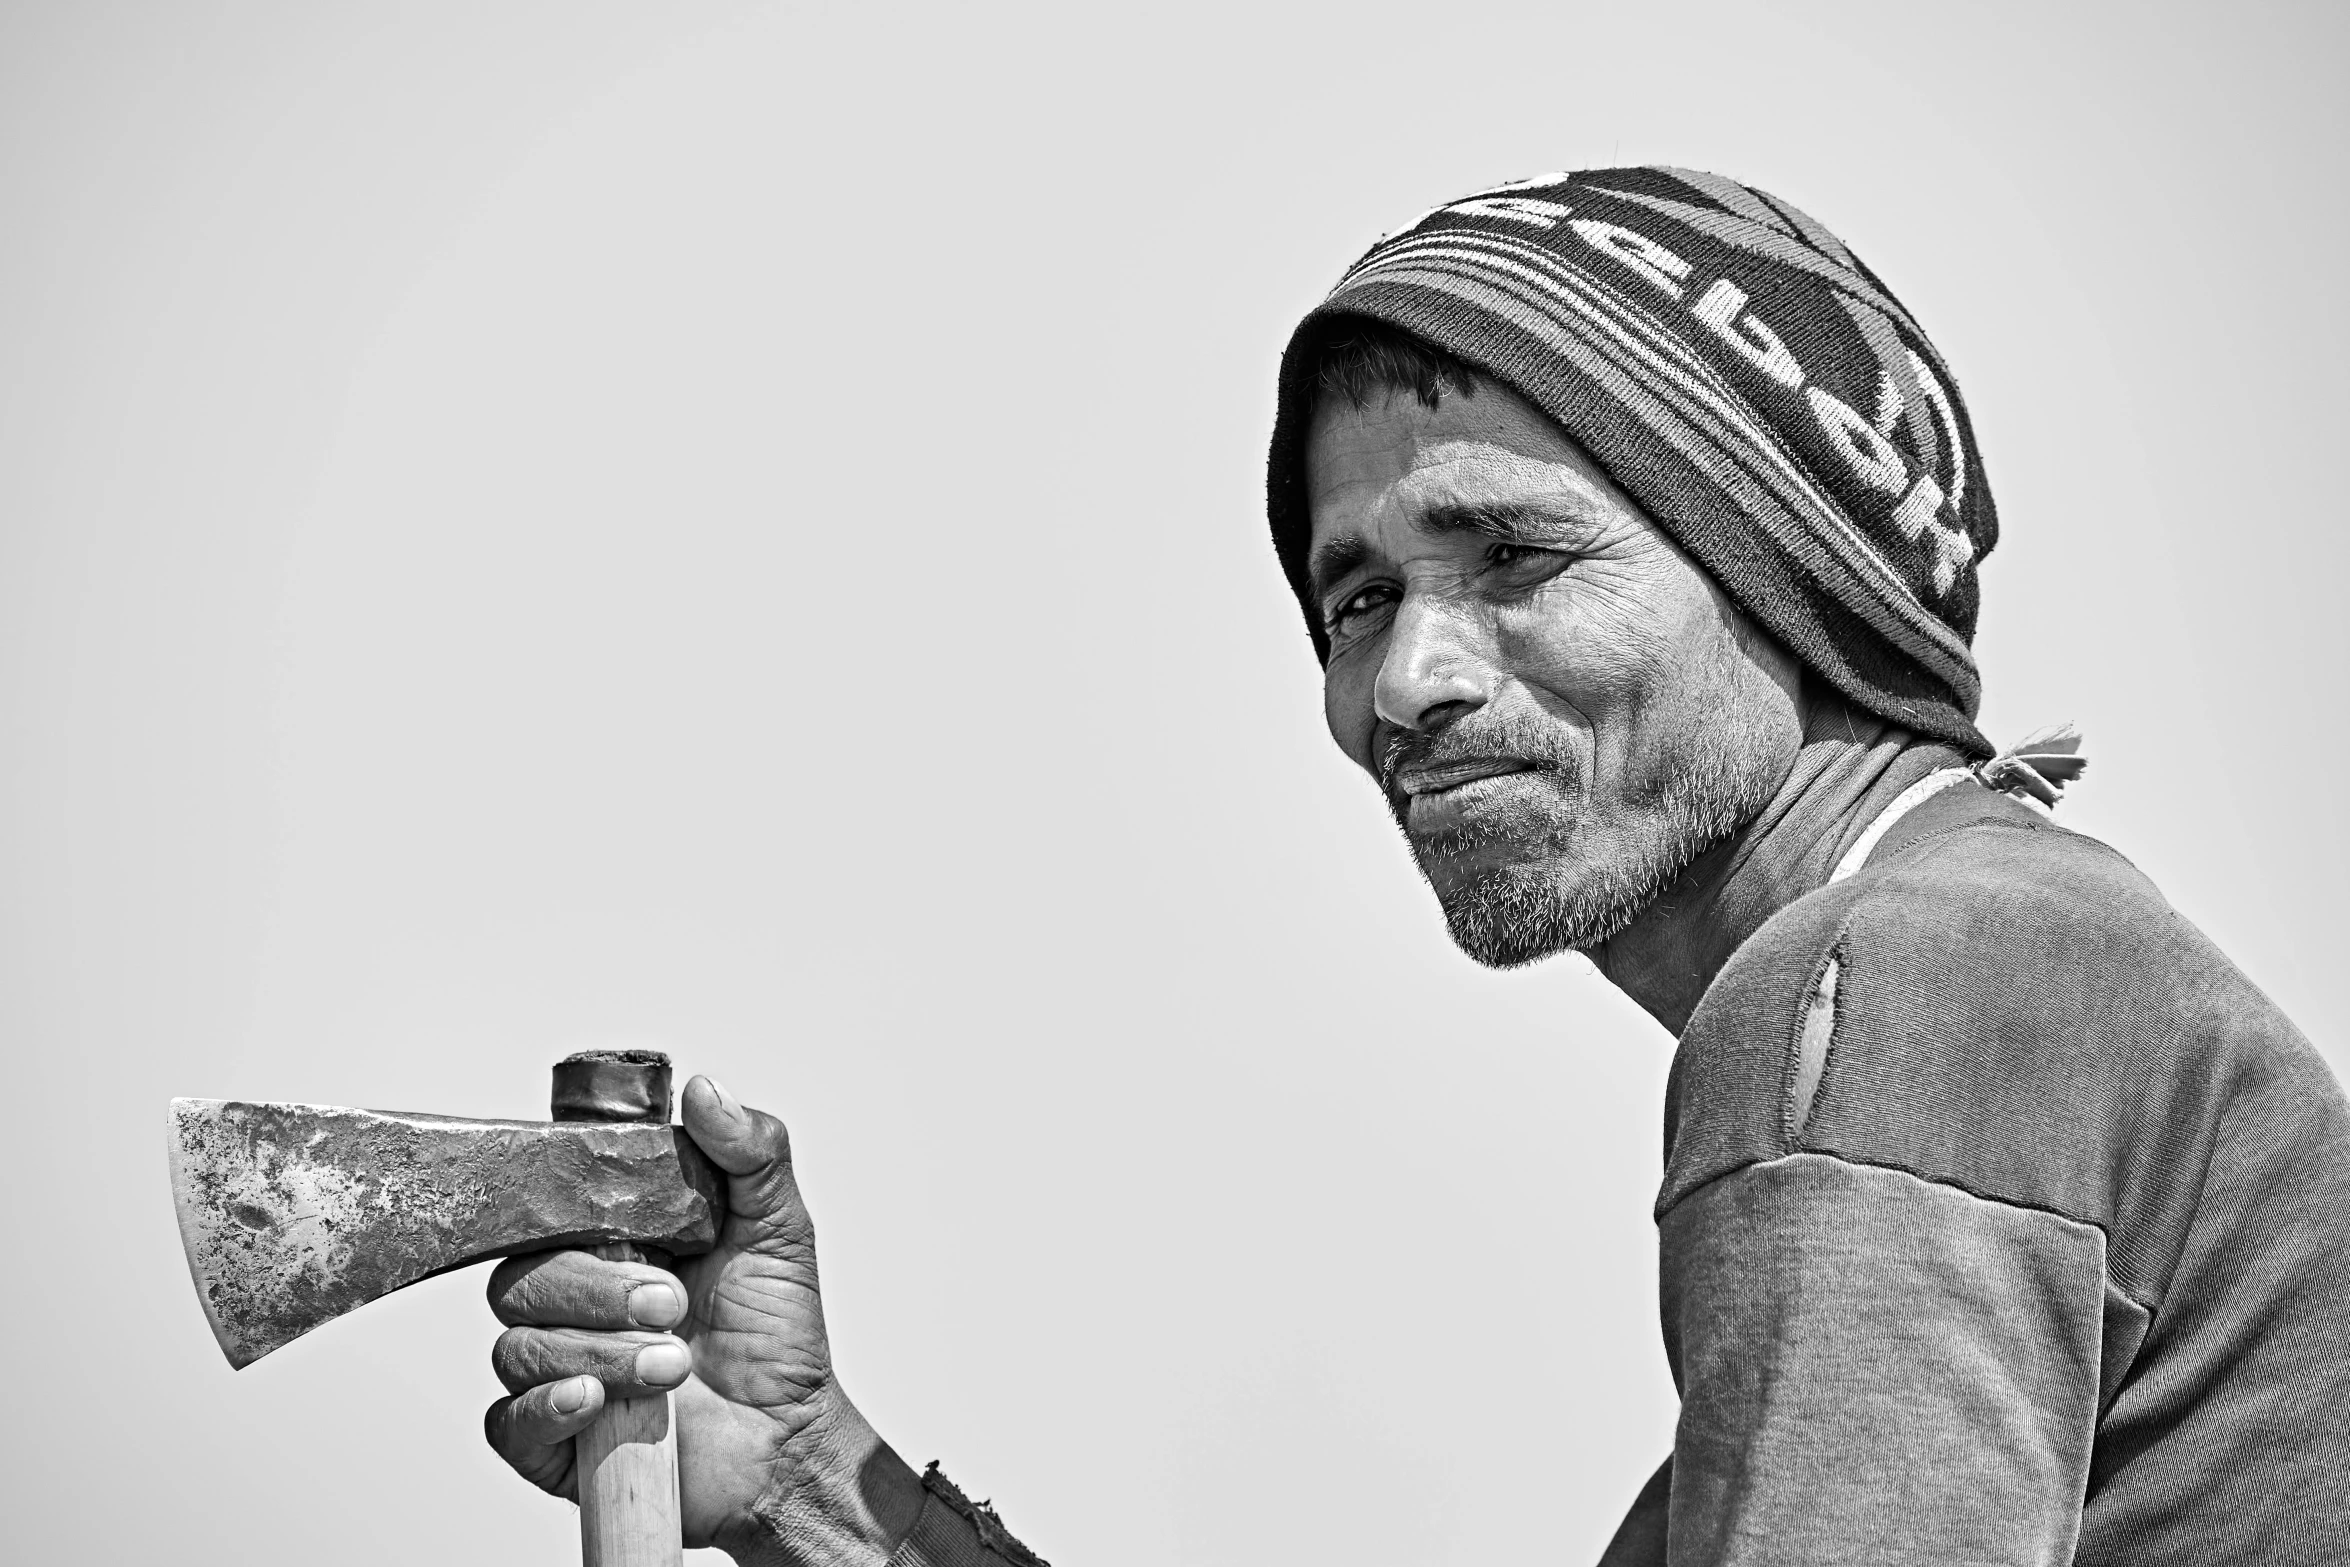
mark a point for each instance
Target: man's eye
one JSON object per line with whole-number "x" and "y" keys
{"x": 1366, "y": 601}
{"x": 1526, "y": 563}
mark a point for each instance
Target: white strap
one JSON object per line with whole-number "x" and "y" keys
{"x": 1905, "y": 802}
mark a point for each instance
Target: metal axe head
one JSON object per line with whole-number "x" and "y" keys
{"x": 294, "y": 1214}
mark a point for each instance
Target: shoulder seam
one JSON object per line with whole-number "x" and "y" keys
{"x": 1938, "y": 833}
{"x": 1886, "y": 861}
{"x": 1898, "y": 1169}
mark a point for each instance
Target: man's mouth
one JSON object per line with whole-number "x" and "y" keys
{"x": 1419, "y": 779}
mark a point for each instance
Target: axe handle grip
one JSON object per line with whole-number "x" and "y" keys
{"x": 626, "y": 1466}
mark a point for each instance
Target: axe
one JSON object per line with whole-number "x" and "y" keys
{"x": 294, "y": 1214}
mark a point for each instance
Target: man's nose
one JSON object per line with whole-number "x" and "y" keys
{"x": 1435, "y": 669}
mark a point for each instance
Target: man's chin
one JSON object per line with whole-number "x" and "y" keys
{"x": 1507, "y": 916}
{"x": 1530, "y": 882}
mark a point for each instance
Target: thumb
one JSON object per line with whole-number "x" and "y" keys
{"x": 763, "y": 1207}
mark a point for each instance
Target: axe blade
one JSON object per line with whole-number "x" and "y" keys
{"x": 292, "y": 1215}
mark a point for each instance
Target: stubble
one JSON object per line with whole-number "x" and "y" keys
{"x": 1564, "y": 866}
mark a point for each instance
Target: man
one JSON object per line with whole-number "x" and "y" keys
{"x": 1637, "y": 525}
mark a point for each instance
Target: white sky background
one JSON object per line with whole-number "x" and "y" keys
{"x": 528, "y": 526}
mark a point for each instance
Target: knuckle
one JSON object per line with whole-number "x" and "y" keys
{"x": 518, "y": 1284}
{"x": 503, "y": 1279}
{"x": 546, "y": 1464}
{"x": 527, "y": 1358}
{"x": 615, "y": 1357}
{"x": 566, "y": 1289}
{"x": 534, "y": 1421}
{"x": 769, "y": 1138}
{"x": 775, "y": 1216}
{"x": 515, "y": 1357}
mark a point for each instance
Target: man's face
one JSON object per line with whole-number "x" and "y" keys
{"x": 1560, "y": 706}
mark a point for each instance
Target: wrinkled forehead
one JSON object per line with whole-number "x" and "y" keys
{"x": 1375, "y": 472}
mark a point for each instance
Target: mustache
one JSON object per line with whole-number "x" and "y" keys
{"x": 1483, "y": 738}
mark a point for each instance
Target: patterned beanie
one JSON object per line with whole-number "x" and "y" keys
{"x": 1741, "y": 374}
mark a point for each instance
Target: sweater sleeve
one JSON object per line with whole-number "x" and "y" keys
{"x": 1876, "y": 1369}
{"x": 951, "y": 1530}
{"x": 1640, "y": 1539}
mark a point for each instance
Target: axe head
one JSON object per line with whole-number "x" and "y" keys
{"x": 294, "y": 1214}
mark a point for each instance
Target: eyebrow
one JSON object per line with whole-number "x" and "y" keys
{"x": 1550, "y": 522}
{"x": 1334, "y": 562}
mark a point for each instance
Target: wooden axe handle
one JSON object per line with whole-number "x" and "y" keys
{"x": 626, "y": 1465}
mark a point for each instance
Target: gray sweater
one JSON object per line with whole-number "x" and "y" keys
{"x": 2003, "y": 1220}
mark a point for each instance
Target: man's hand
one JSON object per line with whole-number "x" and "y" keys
{"x": 773, "y": 1462}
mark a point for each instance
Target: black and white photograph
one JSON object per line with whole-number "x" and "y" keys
{"x": 1213, "y": 786}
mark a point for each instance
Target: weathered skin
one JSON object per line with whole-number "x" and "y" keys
{"x": 294, "y": 1214}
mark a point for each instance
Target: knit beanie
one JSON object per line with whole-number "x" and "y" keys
{"x": 1741, "y": 374}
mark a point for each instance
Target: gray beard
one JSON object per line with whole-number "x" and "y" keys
{"x": 1549, "y": 898}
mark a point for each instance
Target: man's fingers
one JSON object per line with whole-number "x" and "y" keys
{"x": 739, "y": 1140}
{"x": 553, "y": 1412}
{"x": 628, "y": 1365}
{"x": 577, "y": 1289}
{"x": 752, "y": 1147}
{"x": 533, "y": 1431}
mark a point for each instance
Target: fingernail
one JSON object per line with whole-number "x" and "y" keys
{"x": 655, "y": 1306}
{"x": 726, "y": 1101}
{"x": 570, "y": 1397}
{"x": 662, "y": 1364}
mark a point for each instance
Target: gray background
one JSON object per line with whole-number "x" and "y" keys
{"x": 526, "y": 526}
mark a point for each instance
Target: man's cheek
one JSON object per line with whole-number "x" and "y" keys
{"x": 1593, "y": 641}
{"x": 1349, "y": 711}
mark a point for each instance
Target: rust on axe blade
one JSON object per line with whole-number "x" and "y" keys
{"x": 294, "y": 1214}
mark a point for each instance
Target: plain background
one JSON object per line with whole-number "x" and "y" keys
{"x": 738, "y": 528}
